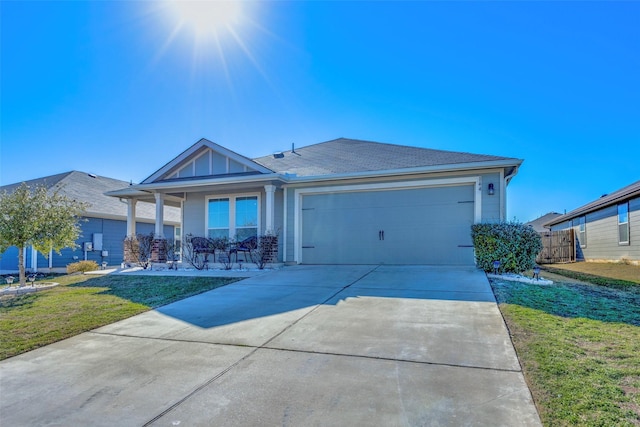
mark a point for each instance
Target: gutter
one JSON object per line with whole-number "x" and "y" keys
{"x": 293, "y": 179}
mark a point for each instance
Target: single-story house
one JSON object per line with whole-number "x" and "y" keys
{"x": 104, "y": 224}
{"x": 538, "y": 224}
{"x": 607, "y": 229}
{"x": 343, "y": 201}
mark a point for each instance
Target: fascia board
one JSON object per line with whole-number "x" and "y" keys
{"x": 206, "y": 182}
{"x": 411, "y": 171}
{"x": 592, "y": 207}
{"x": 99, "y": 215}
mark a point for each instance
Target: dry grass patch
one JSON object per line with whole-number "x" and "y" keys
{"x": 618, "y": 271}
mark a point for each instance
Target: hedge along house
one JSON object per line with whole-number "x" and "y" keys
{"x": 103, "y": 226}
{"x": 606, "y": 229}
{"x": 343, "y": 201}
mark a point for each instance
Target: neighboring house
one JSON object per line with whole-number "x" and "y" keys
{"x": 607, "y": 229}
{"x": 538, "y": 223}
{"x": 104, "y": 226}
{"x": 343, "y": 201}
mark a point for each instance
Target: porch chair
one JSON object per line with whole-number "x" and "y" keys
{"x": 202, "y": 245}
{"x": 246, "y": 246}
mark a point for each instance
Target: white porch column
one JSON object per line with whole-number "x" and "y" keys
{"x": 159, "y": 215}
{"x": 34, "y": 259}
{"x": 131, "y": 217}
{"x": 270, "y": 221}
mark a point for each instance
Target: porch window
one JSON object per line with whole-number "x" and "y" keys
{"x": 218, "y": 221}
{"x": 233, "y": 217}
{"x": 623, "y": 223}
{"x": 246, "y": 217}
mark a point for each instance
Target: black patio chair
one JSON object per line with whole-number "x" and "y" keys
{"x": 202, "y": 245}
{"x": 246, "y": 246}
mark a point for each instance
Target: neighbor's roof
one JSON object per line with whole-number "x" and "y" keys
{"x": 90, "y": 188}
{"x": 617, "y": 196}
{"x": 344, "y": 155}
{"x": 538, "y": 223}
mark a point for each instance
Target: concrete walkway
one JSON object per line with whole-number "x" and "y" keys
{"x": 304, "y": 345}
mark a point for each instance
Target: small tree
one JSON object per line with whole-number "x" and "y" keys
{"x": 34, "y": 217}
{"x": 514, "y": 244}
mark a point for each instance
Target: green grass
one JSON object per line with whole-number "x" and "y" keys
{"x": 579, "y": 346}
{"x": 83, "y": 302}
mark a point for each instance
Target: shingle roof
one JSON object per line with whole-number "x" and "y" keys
{"x": 625, "y": 193}
{"x": 344, "y": 155}
{"x": 538, "y": 223}
{"x": 90, "y": 188}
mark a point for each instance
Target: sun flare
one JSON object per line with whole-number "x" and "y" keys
{"x": 206, "y": 18}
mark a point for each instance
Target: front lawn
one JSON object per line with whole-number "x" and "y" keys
{"x": 579, "y": 346}
{"x": 598, "y": 272}
{"x": 84, "y": 302}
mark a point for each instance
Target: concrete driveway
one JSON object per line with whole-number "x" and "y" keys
{"x": 305, "y": 345}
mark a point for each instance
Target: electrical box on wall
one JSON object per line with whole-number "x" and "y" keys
{"x": 97, "y": 241}
{"x": 88, "y": 246}
{"x": 105, "y": 253}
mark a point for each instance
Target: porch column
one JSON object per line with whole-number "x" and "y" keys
{"x": 159, "y": 215}
{"x": 270, "y": 222}
{"x": 131, "y": 217}
{"x": 34, "y": 259}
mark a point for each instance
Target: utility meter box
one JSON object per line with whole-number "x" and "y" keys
{"x": 88, "y": 246}
{"x": 97, "y": 241}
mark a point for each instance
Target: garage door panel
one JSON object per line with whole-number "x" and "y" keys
{"x": 421, "y": 226}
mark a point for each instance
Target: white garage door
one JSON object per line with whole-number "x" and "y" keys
{"x": 409, "y": 226}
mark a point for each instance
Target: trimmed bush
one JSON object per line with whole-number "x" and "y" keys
{"x": 82, "y": 267}
{"x": 514, "y": 244}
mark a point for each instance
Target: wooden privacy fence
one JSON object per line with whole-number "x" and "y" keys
{"x": 557, "y": 246}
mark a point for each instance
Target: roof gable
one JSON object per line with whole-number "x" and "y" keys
{"x": 344, "y": 155}
{"x": 205, "y": 159}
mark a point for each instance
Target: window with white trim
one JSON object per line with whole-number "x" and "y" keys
{"x": 582, "y": 231}
{"x": 234, "y": 217}
{"x": 623, "y": 223}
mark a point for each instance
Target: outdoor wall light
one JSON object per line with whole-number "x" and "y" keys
{"x": 491, "y": 189}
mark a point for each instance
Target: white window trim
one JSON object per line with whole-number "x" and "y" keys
{"x": 628, "y": 241}
{"x": 232, "y": 211}
{"x": 583, "y": 241}
{"x": 427, "y": 183}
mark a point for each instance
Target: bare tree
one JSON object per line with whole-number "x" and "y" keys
{"x": 140, "y": 248}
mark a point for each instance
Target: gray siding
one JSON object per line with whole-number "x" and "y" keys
{"x": 113, "y": 232}
{"x": 602, "y": 234}
{"x": 194, "y": 214}
{"x": 491, "y": 205}
{"x": 194, "y": 221}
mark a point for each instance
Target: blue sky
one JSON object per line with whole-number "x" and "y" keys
{"x": 119, "y": 88}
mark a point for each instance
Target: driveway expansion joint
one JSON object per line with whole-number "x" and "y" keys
{"x": 391, "y": 359}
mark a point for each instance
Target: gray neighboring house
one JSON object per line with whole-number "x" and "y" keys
{"x": 538, "y": 224}
{"x": 607, "y": 229}
{"x": 343, "y": 201}
{"x": 104, "y": 228}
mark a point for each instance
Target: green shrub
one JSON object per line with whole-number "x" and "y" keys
{"x": 82, "y": 266}
{"x": 514, "y": 244}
